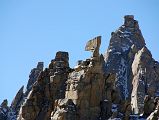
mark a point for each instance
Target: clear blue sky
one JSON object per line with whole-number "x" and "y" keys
{"x": 34, "y": 30}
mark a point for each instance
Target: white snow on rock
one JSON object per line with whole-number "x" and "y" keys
{"x": 125, "y": 48}
{"x": 11, "y": 116}
{"x": 117, "y": 53}
{"x": 114, "y": 107}
{"x": 111, "y": 50}
{"x": 127, "y": 32}
{"x": 157, "y": 93}
{"x": 120, "y": 31}
{"x": 122, "y": 79}
{"x": 4, "y": 109}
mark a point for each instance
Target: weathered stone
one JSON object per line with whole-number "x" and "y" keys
{"x": 4, "y": 110}
{"x": 34, "y": 74}
{"x": 65, "y": 110}
{"x": 93, "y": 46}
{"x": 85, "y": 86}
{"x": 145, "y": 81}
{"x": 122, "y": 84}
{"x": 49, "y": 86}
{"x": 17, "y": 102}
{"x": 129, "y": 20}
{"x": 155, "y": 114}
{"x": 149, "y": 106}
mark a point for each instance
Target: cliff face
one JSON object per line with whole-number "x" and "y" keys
{"x": 122, "y": 84}
{"x": 124, "y": 44}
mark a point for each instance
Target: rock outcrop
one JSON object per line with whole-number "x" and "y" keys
{"x": 133, "y": 71}
{"x": 18, "y": 100}
{"x": 34, "y": 74}
{"x": 85, "y": 88}
{"x": 4, "y": 110}
{"x": 146, "y": 79}
{"x": 123, "y": 84}
{"x": 13, "y": 110}
{"x": 50, "y": 85}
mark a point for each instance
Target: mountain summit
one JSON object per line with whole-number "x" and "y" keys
{"x": 122, "y": 84}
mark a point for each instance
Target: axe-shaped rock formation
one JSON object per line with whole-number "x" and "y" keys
{"x": 122, "y": 84}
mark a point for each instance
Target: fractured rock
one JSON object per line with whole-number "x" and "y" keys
{"x": 16, "y": 103}
{"x": 123, "y": 84}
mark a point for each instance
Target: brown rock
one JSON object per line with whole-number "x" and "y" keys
{"x": 93, "y": 46}
{"x": 98, "y": 88}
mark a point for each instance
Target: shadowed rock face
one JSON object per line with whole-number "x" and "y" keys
{"x": 123, "y": 83}
{"x": 34, "y": 74}
{"x": 4, "y": 109}
{"x": 17, "y": 102}
{"x": 50, "y": 85}
{"x": 124, "y": 44}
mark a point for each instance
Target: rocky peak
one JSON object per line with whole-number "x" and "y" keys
{"x": 123, "y": 84}
{"x": 40, "y": 66}
{"x": 127, "y": 35}
{"x": 35, "y": 72}
{"x": 85, "y": 88}
{"x": 61, "y": 61}
{"x": 145, "y": 80}
{"x": 125, "y": 42}
{"x": 4, "y": 104}
{"x": 17, "y": 101}
{"x": 129, "y": 21}
{"x": 4, "y": 109}
{"x": 49, "y": 86}
{"x": 61, "y": 55}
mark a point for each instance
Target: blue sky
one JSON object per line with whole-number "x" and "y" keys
{"x": 34, "y": 30}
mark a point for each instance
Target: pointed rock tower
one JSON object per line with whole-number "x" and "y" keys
{"x": 122, "y": 84}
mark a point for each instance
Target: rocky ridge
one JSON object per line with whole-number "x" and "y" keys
{"x": 122, "y": 84}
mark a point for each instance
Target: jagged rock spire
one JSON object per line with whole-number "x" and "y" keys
{"x": 122, "y": 86}
{"x": 16, "y": 103}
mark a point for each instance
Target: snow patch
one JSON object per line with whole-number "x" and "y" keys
{"x": 120, "y": 31}
{"x": 127, "y": 32}
{"x": 129, "y": 40}
{"x": 111, "y": 50}
{"x": 114, "y": 107}
{"x": 122, "y": 80}
{"x": 125, "y": 48}
{"x": 141, "y": 81}
{"x": 4, "y": 109}
{"x": 157, "y": 93}
{"x": 126, "y": 35}
{"x": 117, "y": 53}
